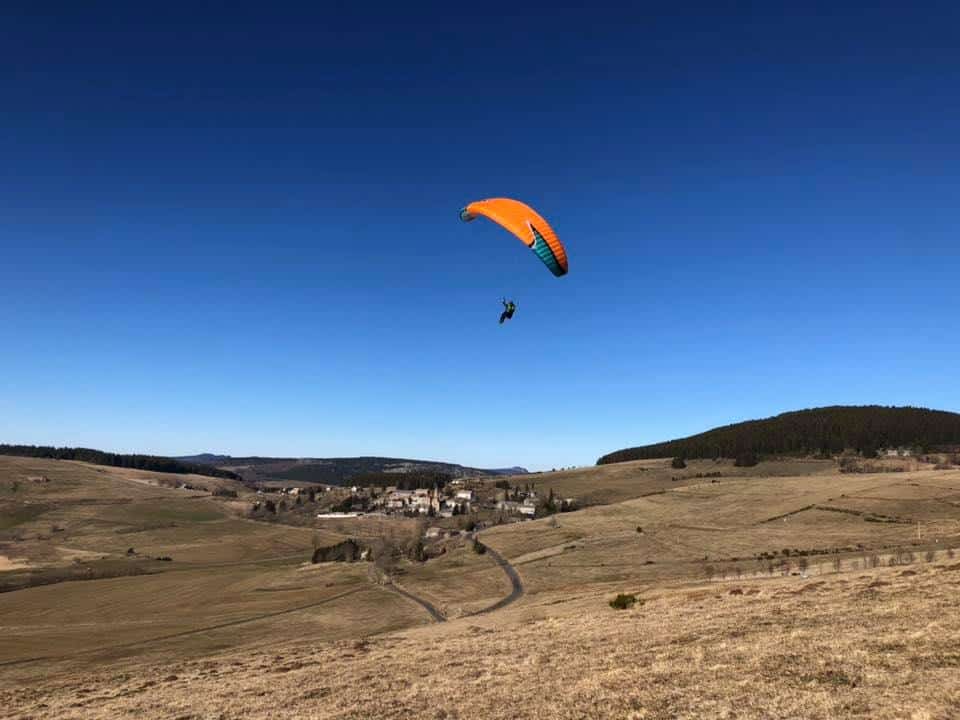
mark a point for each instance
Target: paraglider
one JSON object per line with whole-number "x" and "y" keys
{"x": 532, "y": 230}
{"x": 509, "y": 308}
{"x": 527, "y": 224}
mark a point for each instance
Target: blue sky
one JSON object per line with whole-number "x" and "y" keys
{"x": 236, "y": 230}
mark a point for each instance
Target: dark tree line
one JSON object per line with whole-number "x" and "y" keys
{"x": 414, "y": 480}
{"x": 154, "y": 463}
{"x": 818, "y": 431}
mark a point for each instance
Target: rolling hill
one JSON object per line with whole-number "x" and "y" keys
{"x": 817, "y": 431}
{"x": 789, "y": 589}
{"x": 154, "y": 463}
{"x": 333, "y": 471}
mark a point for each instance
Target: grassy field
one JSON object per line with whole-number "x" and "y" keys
{"x": 70, "y": 521}
{"x": 880, "y": 644}
{"x": 606, "y": 484}
{"x": 239, "y": 624}
{"x": 728, "y": 523}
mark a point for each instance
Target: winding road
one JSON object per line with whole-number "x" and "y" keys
{"x": 516, "y": 589}
{"x": 425, "y": 604}
{"x": 516, "y": 584}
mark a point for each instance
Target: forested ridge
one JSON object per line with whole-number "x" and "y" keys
{"x": 155, "y": 463}
{"x": 817, "y": 431}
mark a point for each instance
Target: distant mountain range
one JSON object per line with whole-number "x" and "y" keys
{"x": 826, "y": 430}
{"x": 333, "y": 471}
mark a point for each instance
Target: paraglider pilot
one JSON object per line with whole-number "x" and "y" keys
{"x": 509, "y": 308}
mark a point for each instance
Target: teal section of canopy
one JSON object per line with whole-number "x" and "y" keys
{"x": 544, "y": 252}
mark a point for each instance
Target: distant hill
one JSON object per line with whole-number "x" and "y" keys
{"x": 155, "y": 463}
{"x": 335, "y": 471}
{"x": 826, "y": 430}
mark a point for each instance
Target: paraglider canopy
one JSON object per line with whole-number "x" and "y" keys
{"x": 527, "y": 224}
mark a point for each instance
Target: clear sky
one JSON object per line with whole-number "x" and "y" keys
{"x": 233, "y": 228}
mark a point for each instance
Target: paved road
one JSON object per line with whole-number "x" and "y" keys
{"x": 516, "y": 589}
{"x": 426, "y": 605}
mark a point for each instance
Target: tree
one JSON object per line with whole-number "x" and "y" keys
{"x": 802, "y": 563}
{"x": 746, "y": 459}
{"x": 678, "y": 463}
{"x": 709, "y": 571}
{"x": 837, "y": 564}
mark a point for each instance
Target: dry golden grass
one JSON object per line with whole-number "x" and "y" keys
{"x": 237, "y": 626}
{"x": 881, "y": 644}
{"x": 730, "y": 522}
{"x": 606, "y": 484}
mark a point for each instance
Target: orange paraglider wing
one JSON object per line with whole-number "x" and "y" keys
{"x": 527, "y": 224}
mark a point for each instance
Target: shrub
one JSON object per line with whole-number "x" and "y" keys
{"x": 678, "y": 463}
{"x": 746, "y": 459}
{"x": 623, "y": 601}
{"x": 224, "y": 492}
{"x": 479, "y": 548}
{"x": 502, "y": 484}
{"x": 930, "y": 556}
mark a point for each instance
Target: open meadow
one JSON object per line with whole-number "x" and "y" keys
{"x": 782, "y": 590}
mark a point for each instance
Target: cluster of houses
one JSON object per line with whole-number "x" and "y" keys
{"x": 457, "y": 497}
{"x": 526, "y": 506}
{"x": 426, "y": 501}
{"x": 454, "y": 499}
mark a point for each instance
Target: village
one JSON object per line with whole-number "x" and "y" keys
{"x": 473, "y": 500}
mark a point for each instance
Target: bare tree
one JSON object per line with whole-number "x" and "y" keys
{"x": 930, "y": 556}
{"x": 708, "y": 572}
{"x": 837, "y": 563}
